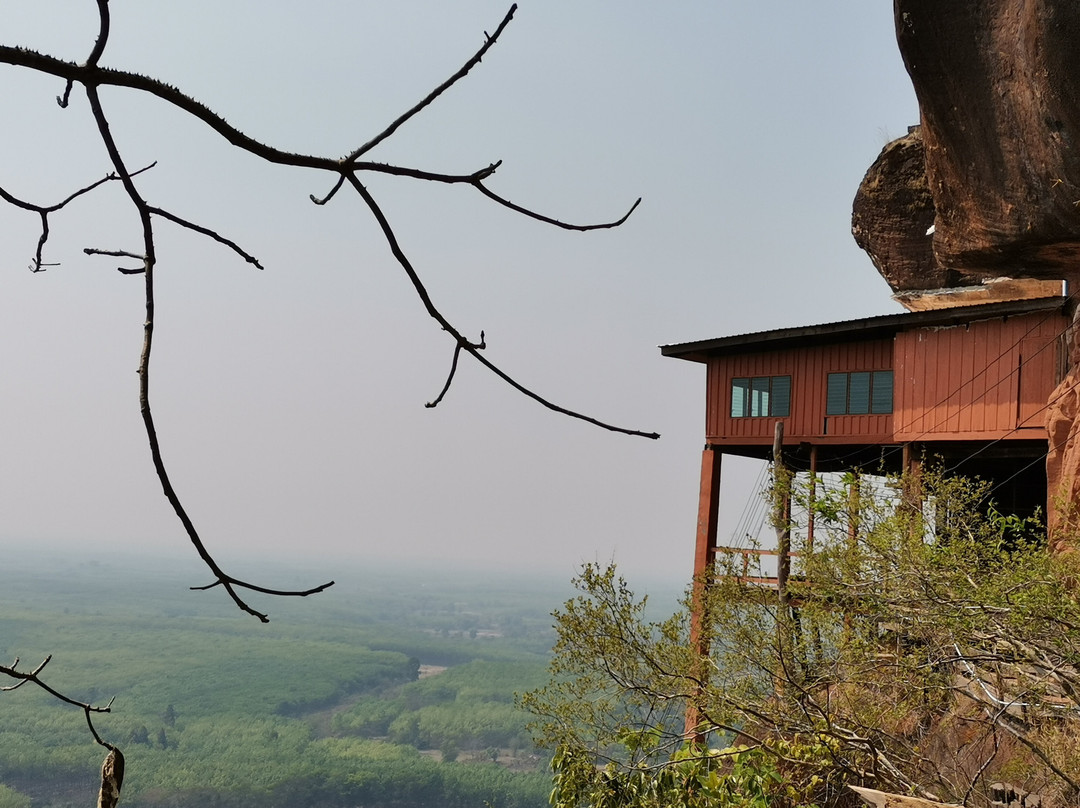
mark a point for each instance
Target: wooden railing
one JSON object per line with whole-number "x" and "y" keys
{"x": 747, "y": 553}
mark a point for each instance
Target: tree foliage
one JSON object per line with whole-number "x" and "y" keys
{"x": 230, "y": 741}
{"x": 931, "y": 645}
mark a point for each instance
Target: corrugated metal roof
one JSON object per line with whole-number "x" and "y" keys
{"x": 849, "y": 330}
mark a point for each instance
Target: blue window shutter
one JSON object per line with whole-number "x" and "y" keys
{"x": 781, "y": 396}
{"x": 858, "y": 393}
{"x": 882, "y": 399}
{"x": 836, "y": 395}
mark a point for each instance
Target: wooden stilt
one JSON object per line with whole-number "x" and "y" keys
{"x": 811, "y": 500}
{"x": 786, "y": 622}
{"x": 781, "y": 514}
{"x": 704, "y": 557}
{"x": 912, "y": 494}
{"x": 854, "y": 506}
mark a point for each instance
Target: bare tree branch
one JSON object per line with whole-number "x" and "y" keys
{"x": 149, "y": 261}
{"x": 43, "y": 211}
{"x": 470, "y": 348}
{"x": 430, "y": 97}
{"x": 476, "y": 179}
{"x": 91, "y": 76}
{"x": 12, "y": 671}
{"x": 547, "y": 219}
{"x": 112, "y": 770}
{"x": 453, "y": 369}
{"x": 206, "y": 231}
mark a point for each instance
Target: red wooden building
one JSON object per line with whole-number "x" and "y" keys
{"x": 967, "y": 385}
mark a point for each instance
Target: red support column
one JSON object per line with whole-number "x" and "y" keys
{"x": 704, "y": 555}
{"x": 708, "y": 510}
{"x": 781, "y": 515}
{"x": 811, "y": 500}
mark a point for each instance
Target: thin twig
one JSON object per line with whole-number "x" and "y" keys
{"x": 421, "y": 291}
{"x": 453, "y": 370}
{"x": 43, "y": 211}
{"x": 206, "y": 231}
{"x": 476, "y": 180}
{"x": 34, "y": 677}
{"x": 430, "y": 97}
{"x": 337, "y": 187}
{"x": 114, "y": 253}
{"x": 547, "y": 219}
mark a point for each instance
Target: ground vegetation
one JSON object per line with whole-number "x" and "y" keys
{"x": 282, "y": 716}
{"x": 929, "y": 645}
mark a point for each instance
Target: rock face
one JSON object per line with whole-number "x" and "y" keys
{"x": 1063, "y": 457}
{"x": 892, "y": 212}
{"x": 989, "y": 184}
{"x": 998, "y": 83}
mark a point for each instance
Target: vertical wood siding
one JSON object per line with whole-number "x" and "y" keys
{"x": 988, "y": 379}
{"x": 992, "y": 376}
{"x": 809, "y": 369}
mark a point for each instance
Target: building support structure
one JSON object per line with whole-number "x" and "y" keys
{"x": 704, "y": 556}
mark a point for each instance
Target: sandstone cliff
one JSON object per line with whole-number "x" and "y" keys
{"x": 988, "y": 185}
{"x": 998, "y": 83}
{"x": 1063, "y": 456}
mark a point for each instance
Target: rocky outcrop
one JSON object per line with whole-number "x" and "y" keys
{"x": 893, "y": 216}
{"x": 988, "y": 186}
{"x": 998, "y": 83}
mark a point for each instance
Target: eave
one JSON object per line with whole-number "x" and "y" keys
{"x": 878, "y": 327}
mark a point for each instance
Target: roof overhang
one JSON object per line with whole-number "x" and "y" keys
{"x": 879, "y": 327}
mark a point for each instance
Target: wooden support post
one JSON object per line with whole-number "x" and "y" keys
{"x": 912, "y": 493}
{"x": 704, "y": 558}
{"x": 854, "y": 507}
{"x": 854, "y": 518}
{"x": 708, "y": 511}
{"x": 781, "y": 514}
{"x": 785, "y": 623}
{"x": 811, "y": 500}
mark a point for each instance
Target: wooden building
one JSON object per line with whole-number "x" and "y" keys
{"x": 968, "y": 386}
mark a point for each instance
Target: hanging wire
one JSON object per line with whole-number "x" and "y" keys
{"x": 890, "y": 451}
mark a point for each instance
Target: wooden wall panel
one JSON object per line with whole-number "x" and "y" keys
{"x": 1039, "y": 363}
{"x": 991, "y": 377}
{"x": 986, "y": 379}
{"x": 809, "y": 369}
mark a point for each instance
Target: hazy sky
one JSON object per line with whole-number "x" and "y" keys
{"x": 290, "y": 402}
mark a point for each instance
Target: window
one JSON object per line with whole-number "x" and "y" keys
{"x": 759, "y": 396}
{"x": 861, "y": 393}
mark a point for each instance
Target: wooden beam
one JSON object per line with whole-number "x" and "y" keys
{"x": 882, "y": 799}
